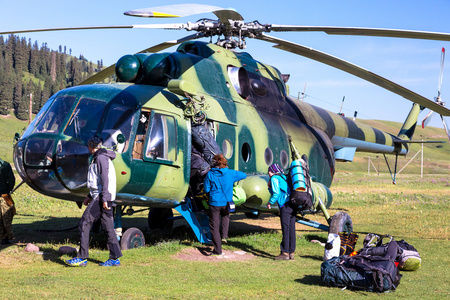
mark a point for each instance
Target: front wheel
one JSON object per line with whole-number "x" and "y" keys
{"x": 341, "y": 222}
{"x": 132, "y": 238}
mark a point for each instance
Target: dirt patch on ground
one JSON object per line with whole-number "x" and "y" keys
{"x": 203, "y": 254}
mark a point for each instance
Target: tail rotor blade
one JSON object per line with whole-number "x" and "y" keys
{"x": 446, "y": 127}
{"x": 441, "y": 74}
{"x": 427, "y": 119}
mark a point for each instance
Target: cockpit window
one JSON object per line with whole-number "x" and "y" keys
{"x": 37, "y": 119}
{"x": 162, "y": 138}
{"x": 118, "y": 121}
{"x": 85, "y": 119}
{"x": 53, "y": 119}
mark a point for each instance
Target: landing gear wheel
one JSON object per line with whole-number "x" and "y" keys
{"x": 160, "y": 218}
{"x": 341, "y": 222}
{"x": 132, "y": 238}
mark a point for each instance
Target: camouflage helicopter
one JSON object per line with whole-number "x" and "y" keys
{"x": 148, "y": 117}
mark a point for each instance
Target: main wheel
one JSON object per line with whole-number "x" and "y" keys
{"x": 132, "y": 238}
{"x": 160, "y": 218}
{"x": 341, "y": 222}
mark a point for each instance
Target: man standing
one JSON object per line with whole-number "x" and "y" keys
{"x": 7, "y": 182}
{"x": 102, "y": 184}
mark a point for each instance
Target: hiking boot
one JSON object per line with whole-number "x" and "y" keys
{"x": 77, "y": 262}
{"x": 282, "y": 256}
{"x": 110, "y": 263}
{"x": 291, "y": 256}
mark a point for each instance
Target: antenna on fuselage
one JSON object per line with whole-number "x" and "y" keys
{"x": 340, "y": 110}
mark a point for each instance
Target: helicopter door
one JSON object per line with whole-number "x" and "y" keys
{"x": 157, "y": 168}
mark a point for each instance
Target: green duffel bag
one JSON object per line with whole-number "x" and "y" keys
{"x": 239, "y": 195}
{"x": 409, "y": 258}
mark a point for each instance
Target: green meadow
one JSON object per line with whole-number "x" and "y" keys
{"x": 414, "y": 209}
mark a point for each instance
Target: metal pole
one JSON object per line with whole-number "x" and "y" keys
{"x": 421, "y": 163}
{"x": 31, "y": 108}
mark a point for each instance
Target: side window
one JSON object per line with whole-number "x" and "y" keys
{"x": 141, "y": 132}
{"x": 162, "y": 136}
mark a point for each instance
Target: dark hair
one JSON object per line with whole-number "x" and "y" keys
{"x": 219, "y": 161}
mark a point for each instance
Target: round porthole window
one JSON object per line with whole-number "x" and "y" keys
{"x": 268, "y": 156}
{"x": 246, "y": 152}
{"x": 227, "y": 148}
{"x": 284, "y": 159}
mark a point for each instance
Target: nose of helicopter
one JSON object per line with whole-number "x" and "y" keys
{"x": 53, "y": 167}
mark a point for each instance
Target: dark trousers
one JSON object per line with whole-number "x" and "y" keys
{"x": 287, "y": 218}
{"x": 93, "y": 212}
{"x": 218, "y": 229}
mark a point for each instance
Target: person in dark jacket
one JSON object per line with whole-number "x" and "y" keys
{"x": 218, "y": 185}
{"x": 280, "y": 191}
{"x": 102, "y": 185}
{"x": 7, "y": 182}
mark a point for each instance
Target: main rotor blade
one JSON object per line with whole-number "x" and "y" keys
{"x": 172, "y": 11}
{"x": 109, "y": 71}
{"x": 183, "y": 10}
{"x": 399, "y": 33}
{"x": 355, "y": 70}
{"x": 138, "y": 26}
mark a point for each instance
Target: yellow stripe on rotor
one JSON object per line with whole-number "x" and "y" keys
{"x": 164, "y": 15}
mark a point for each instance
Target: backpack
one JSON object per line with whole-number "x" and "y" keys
{"x": 409, "y": 258}
{"x": 300, "y": 182}
{"x": 364, "y": 272}
{"x": 373, "y": 244}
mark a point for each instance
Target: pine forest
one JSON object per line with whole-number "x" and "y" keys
{"x": 28, "y": 71}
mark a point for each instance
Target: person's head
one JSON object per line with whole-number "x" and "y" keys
{"x": 219, "y": 161}
{"x": 275, "y": 169}
{"x": 94, "y": 143}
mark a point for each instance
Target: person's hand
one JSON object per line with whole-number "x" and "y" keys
{"x": 105, "y": 206}
{"x": 268, "y": 206}
{"x": 86, "y": 200}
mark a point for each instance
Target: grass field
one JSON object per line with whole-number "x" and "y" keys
{"x": 415, "y": 209}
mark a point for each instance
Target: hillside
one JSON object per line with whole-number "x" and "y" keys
{"x": 436, "y": 156}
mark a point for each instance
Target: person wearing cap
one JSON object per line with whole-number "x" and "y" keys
{"x": 102, "y": 184}
{"x": 280, "y": 191}
{"x": 218, "y": 185}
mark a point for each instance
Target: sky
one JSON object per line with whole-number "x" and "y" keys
{"x": 414, "y": 64}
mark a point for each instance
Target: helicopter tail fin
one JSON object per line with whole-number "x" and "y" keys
{"x": 409, "y": 126}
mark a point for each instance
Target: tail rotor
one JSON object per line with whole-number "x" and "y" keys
{"x": 438, "y": 100}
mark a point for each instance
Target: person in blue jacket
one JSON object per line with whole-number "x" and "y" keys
{"x": 218, "y": 185}
{"x": 280, "y": 191}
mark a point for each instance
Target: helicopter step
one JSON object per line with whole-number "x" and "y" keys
{"x": 198, "y": 221}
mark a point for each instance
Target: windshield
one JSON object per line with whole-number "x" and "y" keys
{"x": 86, "y": 118}
{"x": 53, "y": 119}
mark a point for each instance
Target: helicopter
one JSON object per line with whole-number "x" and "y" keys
{"x": 148, "y": 117}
